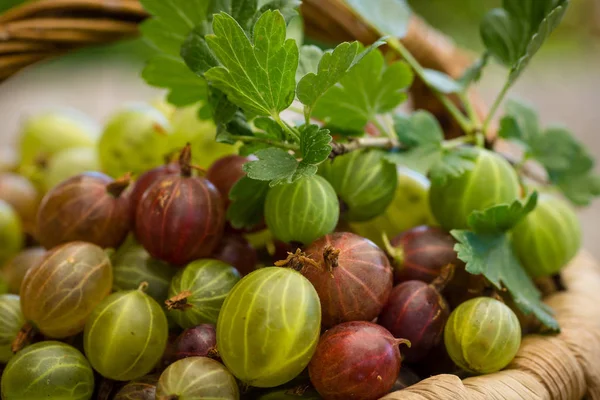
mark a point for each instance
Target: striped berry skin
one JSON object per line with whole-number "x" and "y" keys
{"x": 48, "y": 370}
{"x": 548, "y": 238}
{"x": 421, "y": 253}
{"x": 302, "y": 211}
{"x": 355, "y": 360}
{"x": 269, "y": 327}
{"x": 145, "y": 180}
{"x": 59, "y": 294}
{"x": 89, "y": 207}
{"x": 482, "y": 335}
{"x": 11, "y": 321}
{"x": 365, "y": 183}
{"x": 180, "y": 219}
{"x": 352, "y": 276}
{"x": 491, "y": 182}
{"x": 417, "y": 312}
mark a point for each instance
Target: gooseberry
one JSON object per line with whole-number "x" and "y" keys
{"x": 199, "y": 341}
{"x": 11, "y": 321}
{"x": 48, "y": 370}
{"x": 355, "y": 360}
{"x": 198, "y": 291}
{"x": 134, "y": 140}
{"x": 235, "y": 250}
{"x": 143, "y": 388}
{"x": 53, "y": 131}
{"x": 132, "y": 265}
{"x": 180, "y": 217}
{"x": 492, "y": 181}
{"x": 408, "y": 209}
{"x": 225, "y": 172}
{"x": 302, "y": 211}
{"x": 416, "y": 311}
{"x": 61, "y": 291}
{"x": 482, "y": 335}
{"x": 269, "y": 326}
{"x": 351, "y": 275}
{"x": 421, "y": 253}
{"x": 11, "y": 232}
{"x": 126, "y": 335}
{"x": 22, "y": 195}
{"x": 90, "y": 207}
{"x": 364, "y": 182}
{"x": 68, "y": 163}
{"x": 15, "y": 269}
{"x": 145, "y": 180}
{"x": 548, "y": 238}
{"x": 197, "y": 378}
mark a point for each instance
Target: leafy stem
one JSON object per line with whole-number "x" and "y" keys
{"x": 495, "y": 106}
{"x": 471, "y": 112}
{"x": 387, "y": 130}
{"x": 286, "y": 128}
{"x": 363, "y": 143}
{"x": 270, "y": 142}
{"x": 464, "y": 122}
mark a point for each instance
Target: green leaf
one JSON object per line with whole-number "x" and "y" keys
{"x": 310, "y": 56}
{"x": 171, "y": 73}
{"x": 423, "y": 128}
{"x": 247, "y": 203}
{"x": 172, "y": 21}
{"x": 314, "y": 144}
{"x": 274, "y": 165}
{"x": 271, "y": 129}
{"x": 243, "y": 11}
{"x": 474, "y": 72}
{"x": 388, "y": 17}
{"x": 453, "y": 164}
{"x": 288, "y": 8}
{"x": 258, "y": 77}
{"x": 441, "y": 81}
{"x": 196, "y": 53}
{"x": 579, "y": 189}
{"x": 503, "y": 217}
{"x": 370, "y": 88}
{"x": 514, "y": 33}
{"x": 492, "y": 256}
{"x": 421, "y": 159}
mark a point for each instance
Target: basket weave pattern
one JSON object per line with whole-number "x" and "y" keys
{"x": 561, "y": 367}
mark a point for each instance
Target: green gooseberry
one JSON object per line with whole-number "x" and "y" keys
{"x": 269, "y": 326}
{"x": 48, "y": 371}
{"x": 482, "y": 335}
{"x": 408, "y": 209}
{"x": 198, "y": 291}
{"x": 68, "y": 163}
{"x": 492, "y": 181}
{"x": 548, "y": 238}
{"x": 11, "y": 321}
{"x": 364, "y": 181}
{"x": 11, "y": 232}
{"x": 302, "y": 211}
{"x": 134, "y": 140}
{"x": 126, "y": 335}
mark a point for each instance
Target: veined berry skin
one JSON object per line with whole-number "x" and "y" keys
{"x": 548, "y": 238}
{"x": 302, "y": 211}
{"x": 491, "y": 182}
{"x": 269, "y": 326}
{"x": 482, "y": 335}
{"x": 48, "y": 370}
{"x": 363, "y": 181}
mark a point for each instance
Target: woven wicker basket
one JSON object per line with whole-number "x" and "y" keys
{"x": 560, "y": 367}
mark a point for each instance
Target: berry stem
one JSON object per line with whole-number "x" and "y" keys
{"x": 395, "y": 253}
{"x": 143, "y": 286}
{"x": 296, "y": 261}
{"x": 331, "y": 257}
{"x": 179, "y": 301}
{"x": 185, "y": 161}
{"x": 23, "y": 337}
{"x": 403, "y": 341}
{"x": 446, "y": 275}
{"x": 117, "y": 187}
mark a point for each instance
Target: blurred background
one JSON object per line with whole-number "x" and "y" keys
{"x": 563, "y": 80}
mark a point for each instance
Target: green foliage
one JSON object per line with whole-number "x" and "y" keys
{"x": 567, "y": 162}
{"x": 247, "y": 198}
{"x": 425, "y": 151}
{"x": 487, "y": 249}
{"x": 515, "y": 32}
{"x": 369, "y": 89}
